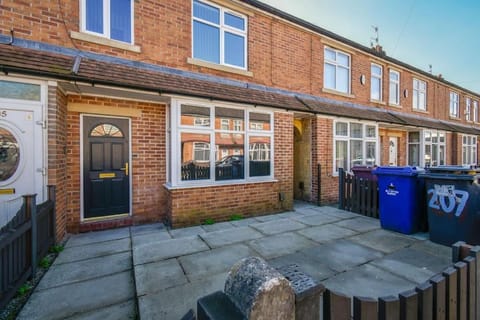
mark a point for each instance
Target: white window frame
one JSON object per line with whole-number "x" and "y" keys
{"x": 177, "y": 129}
{"x": 468, "y": 109}
{"x": 454, "y": 105}
{"x": 224, "y": 28}
{"x": 201, "y": 146}
{"x": 348, "y": 139}
{"x": 423, "y": 143}
{"x": 106, "y": 21}
{"x": 417, "y": 92}
{"x": 337, "y": 66}
{"x": 469, "y": 147}
{"x": 376, "y": 77}
{"x": 475, "y": 111}
{"x": 395, "y": 83}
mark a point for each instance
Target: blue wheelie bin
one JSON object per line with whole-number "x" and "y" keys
{"x": 401, "y": 199}
{"x": 453, "y": 204}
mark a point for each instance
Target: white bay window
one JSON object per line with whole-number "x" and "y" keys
{"x": 214, "y": 143}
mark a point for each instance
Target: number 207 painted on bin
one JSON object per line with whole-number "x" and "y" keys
{"x": 446, "y": 199}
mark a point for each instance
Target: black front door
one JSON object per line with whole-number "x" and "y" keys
{"x": 106, "y": 183}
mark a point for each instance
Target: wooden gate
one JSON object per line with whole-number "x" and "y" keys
{"x": 357, "y": 194}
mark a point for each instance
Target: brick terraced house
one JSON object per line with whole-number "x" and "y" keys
{"x": 184, "y": 110}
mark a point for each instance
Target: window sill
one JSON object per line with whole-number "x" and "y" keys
{"x": 420, "y": 111}
{"x": 454, "y": 118}
{"x": 219, "y": 67}
{"x": 378, "y": 102}
{"x": 210, "y": 184}
{"x": 393, "y": 105}
{"x": 339, "y": 93}
{"x": 104, "y": 41}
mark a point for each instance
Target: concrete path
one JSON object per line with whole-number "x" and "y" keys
{"x": 156, "y": 273}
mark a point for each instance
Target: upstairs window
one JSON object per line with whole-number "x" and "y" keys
{"x": 454, "y": 104}
{"x": 111, "y": 19}
{"x": 219, "y": 35}
{"x": 475, "y": 111}
{"x": 394, "y": 88}
{"x": 468, "y": 107}
{"x": 337, "y": 71}
{"x": 419, "y": 95}
{"x": 376, "y": 82}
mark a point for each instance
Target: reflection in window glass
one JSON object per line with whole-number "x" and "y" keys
{"x": 234, "y": 118}
{"x": 230, "y": 167}
{"x": 195, "y": 116}
{"x": 356, "y": 153}
{"x": 356, "y": 130}
{"x": 371, "y": 131}
{"x": 17, "y": 90}
{"x": 371, "y": 148}
{"x": 341, "y": 155}
{"x": 9, "y": 154}
{"x": 195, "y": 156}
{"x": 341, "y": 129}
{"x": 259, "y": 156}
{"x": 259, "y": 121}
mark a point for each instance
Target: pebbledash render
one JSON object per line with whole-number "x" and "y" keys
{"x": 190, "y": 110}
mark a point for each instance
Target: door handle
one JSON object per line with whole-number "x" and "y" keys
{"x": 125, "y": 168}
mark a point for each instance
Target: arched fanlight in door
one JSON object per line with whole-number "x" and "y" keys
{"x": 106, "y": 130}
{"x": 9, "y": 154}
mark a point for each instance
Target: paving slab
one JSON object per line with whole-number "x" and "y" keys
{"x": 95, "y": 237}
{"x": 122, "y": 311}
{"x": 226, "y": 237}
{"x": 174, "y": 303}
{"x": 307, "y": 264}
{"x": 338, "y": 212}
{"x": 162, "y": 250}
{"x": 93, "y": 250}
{"x": 278, "y": 245}
{"x": 342, "y": 254}
{"x": 421, "y": 259}
{"x": 244, "y": 222}
{"x": 218, "y": 226}
{"x": 288, "y": 214}
{"x": 316, "y": 219}
{"x": 266, "y": 218}
{"x": 147, "y": 228}
{"x": 368, "y": 281}
{"x": 325, "y": 233}
{"x": 144, "y": 238}
{"x": 157, "y": 276}
{"x": 61, "y": 274}
{"x": 360, "y": 224}
{"x": 277, "y": 226}
{"x": 204, "y": 264}
{"x": 433, "y": 248}
{"x": 65, "y": 301}
{"x": 383, "y": 240}
{"x": 187, "y": 232}
{"x": 404, "y": 270}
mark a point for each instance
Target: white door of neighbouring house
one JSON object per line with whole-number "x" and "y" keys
{"x": 21, "y": 146}
{"x": 392, "y": 151}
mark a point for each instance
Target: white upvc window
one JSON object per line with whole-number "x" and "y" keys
{"x": 468, "y": 109}
{"x": 219, "y": 35}
{"x": 376, "y": 82}
{"x": 419, "y": 99}
{"x": 336, "y": 70}
{"x": 426, "y": 148}
{"x": 112, "y": 19}
{"x": 469, "y": 150}
{"x": 355, "y": 143}
{"x": 394, "y": 88}
{"x": 454, "y": 105}
{"x": 475, "y": 111}
{"x": 214, "y": 143}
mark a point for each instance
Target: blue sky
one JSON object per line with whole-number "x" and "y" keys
{"x": 441, "y": 33}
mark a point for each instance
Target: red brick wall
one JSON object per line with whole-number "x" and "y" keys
{"x": 57, "y": 112}
{"x": 279, "y": 53}
{"x": 194, "y": 205}
{"x": 148, "y": 166}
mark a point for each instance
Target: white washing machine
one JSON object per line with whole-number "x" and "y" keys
{"x": 21, "y": 156}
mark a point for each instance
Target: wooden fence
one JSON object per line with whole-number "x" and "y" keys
{"x": 24, "y": 241}
{"x": 452, "y": 294}
{"x": 357, "y": 194}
